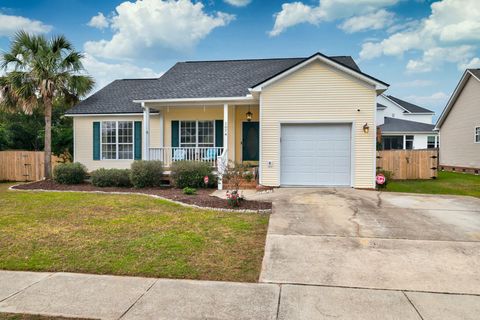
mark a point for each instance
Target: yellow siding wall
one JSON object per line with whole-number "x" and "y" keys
{"x": 83, "y": 146}
{"x": 319, "y": 93}
{"x": 457, "y": 146}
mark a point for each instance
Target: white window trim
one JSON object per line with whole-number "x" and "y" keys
{"x": 436, "y": 142}
{"x": 475, "y": 134}
{"x": 196, "y": 133}
{"x": 116, "y": 140}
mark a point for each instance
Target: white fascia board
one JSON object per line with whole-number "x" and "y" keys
{"x": 106, "y": 114}
{"x": 201, "y": 100}
{"x": 419, "y": 113}
{"x": 378, "y": 85}
{"x": 387, "y": 133}
{"x": 453, "y": 98}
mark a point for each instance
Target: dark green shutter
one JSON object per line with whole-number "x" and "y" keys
{"x": 218, "y": 133}
{"x": 137, "y": 142}
{"x": 96, "y": 141}
{"x": 175, "y": 134}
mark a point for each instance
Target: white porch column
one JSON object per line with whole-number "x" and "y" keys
{"x": 225, "y": 129}
{"x": 161, "y": 129}
{"x": 146, "y": 132}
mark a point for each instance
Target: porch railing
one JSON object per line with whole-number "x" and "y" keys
{"x": 171, "y": 154}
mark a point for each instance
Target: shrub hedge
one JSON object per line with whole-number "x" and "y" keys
{"x": 111, "y": 178}
{"x": 69, "y": 173}
{"x": 191, "y": 174}
{"x": 145, "y": 174}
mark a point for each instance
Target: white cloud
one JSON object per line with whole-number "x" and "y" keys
{"x": 372, "y": 21}
{"x": 10, "y": 24}
{"x": 146, "y": 27}
{"x": 434, "y": 57}
{"x": 415, "y": 84}
{"x": 104, "y": 73}
{"x": 328, "y": 10}
{"x": 99, "y": 21}
{"x": 238, "y": 3}
{"x": 437, "y": 99}
{"x": 449, "y": 34}
{"x": 472, "y": 64}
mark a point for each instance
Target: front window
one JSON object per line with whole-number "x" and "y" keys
{"x": 477, "y": 135}
{"x": 432, "y": 142}
{"x": 408, "y": 142}
{"x": 117, "y": 140}
{"x": 392, "y": 142}
{"x": 197, "y": 134}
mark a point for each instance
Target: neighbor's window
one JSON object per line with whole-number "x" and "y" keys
{"x": 392, "y": 142}
{"x": 432, "y": 142}
{"x": 197, "y": 134}
{"x": 117, "y": 140}
{"x": 477, "y": 135}
{"x": 408, "y": 142}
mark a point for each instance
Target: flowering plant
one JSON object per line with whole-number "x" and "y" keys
{"x": 234, "y": 198}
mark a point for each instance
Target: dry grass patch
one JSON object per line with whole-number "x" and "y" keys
{"x": 127, "y": 235}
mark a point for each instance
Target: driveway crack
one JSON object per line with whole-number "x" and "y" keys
{"x": 411, "y": 303}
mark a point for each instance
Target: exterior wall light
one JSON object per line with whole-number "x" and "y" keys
{"x": 366, "y": 128}
{"x": 249, "y": 115}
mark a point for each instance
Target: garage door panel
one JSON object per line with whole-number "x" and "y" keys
{"x": 316, "y": 154}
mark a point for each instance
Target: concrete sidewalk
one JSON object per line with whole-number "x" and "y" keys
{"x": 114, "y": 297}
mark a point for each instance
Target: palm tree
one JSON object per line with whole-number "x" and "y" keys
{"x": 39, "y": 70}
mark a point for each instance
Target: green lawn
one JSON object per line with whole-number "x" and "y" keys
{"x": 446, "y": 183}
{"x": 127, "y": 235}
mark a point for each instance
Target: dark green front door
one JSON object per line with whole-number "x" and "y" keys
{"x": 250, "y": 141}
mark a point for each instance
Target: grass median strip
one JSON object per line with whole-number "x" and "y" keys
{"x": 446, "y": 183}
{"x": 127, "y": 235}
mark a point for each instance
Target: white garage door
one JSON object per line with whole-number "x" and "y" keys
{"x": 316, "y": 155}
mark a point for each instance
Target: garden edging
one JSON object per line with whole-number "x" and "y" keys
{"x": 262, "y": 211}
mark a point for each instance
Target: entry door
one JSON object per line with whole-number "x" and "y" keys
{"x": 316, "y": 155}
{"x": 250, "y": 141}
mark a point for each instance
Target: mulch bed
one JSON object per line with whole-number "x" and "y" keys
{"x": 201, "y": 199}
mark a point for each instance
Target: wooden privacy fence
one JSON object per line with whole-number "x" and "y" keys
{"x": 19, "y": 165}
{"x": 409, "y": 164}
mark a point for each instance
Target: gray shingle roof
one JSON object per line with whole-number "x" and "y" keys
{"x": 381, "y": 106}
{"x": 400, "y": 125}
{"x": 413, "y": 108}
{"x": 191, "y": 79}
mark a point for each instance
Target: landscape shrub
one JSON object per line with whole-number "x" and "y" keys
{"x": 189, "y": 191}
{"x": 388, "y": 177}
{"x": 69, "y": 173}
{"x": 144, "y": 174}
{"x": 111, "y": 178}
{"x": 191, "y": 174}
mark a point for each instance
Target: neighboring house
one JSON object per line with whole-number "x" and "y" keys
{"x": 459, "y": 126}
{"x": 303, "y": 121}
{"x": 404, "y": 125}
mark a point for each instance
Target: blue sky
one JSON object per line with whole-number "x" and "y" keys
{"x": 420, "y": 47}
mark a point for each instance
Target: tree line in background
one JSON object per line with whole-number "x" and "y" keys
{"x": 21, "y": 130}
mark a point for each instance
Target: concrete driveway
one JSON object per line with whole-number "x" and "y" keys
{"x": 367, "y": 239}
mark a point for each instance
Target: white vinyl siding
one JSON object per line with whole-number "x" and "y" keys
{"x": 318, "y": 93}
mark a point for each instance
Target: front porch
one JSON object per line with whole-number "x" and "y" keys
{"x": 215, "y": 134}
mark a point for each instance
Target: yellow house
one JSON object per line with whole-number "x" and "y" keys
{"x": 302, "y": 121}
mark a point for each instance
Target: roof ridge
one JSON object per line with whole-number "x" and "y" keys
{"x": 135, "y": 79}
{"x": 233, "y": 60}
